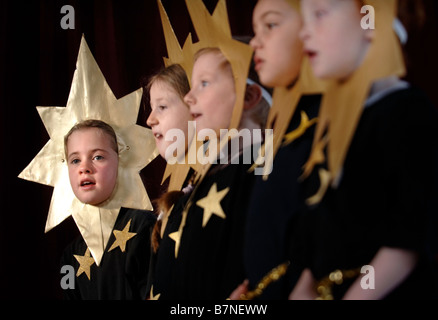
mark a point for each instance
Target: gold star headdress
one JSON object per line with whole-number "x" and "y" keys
{"x": 176, "y": 54}
{"x": 343, "y": 103}
{"x": 213, "y": 31}
{"x": 183, "y": 56}
{"x": 91, "y": 98}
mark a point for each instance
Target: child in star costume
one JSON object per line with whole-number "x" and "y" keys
{"x": 363, "y": 234}
{"x": 278, "y": 57}
{"x": 200, "y": 256}
{"x": 105, "y": 199}
{"x": 92, "y": 158}
{"x": 165, "y": 93}
{"x": 166, "y": 90}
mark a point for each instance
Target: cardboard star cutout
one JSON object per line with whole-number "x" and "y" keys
{"x": 178, "y": 172}
{"x": 183, "y": 56}
{"x": 213, "y": 31}
{"x": 176, "y": 236}
{"x": 343, "y": 103}
{"x": 91, "y": 98}
{"x": 85, "y": 263}
{"x": 212, "y": 204}
{"x": 176, "y": 55}
{"x": 298, "y": 132}
{"x": 122, "y": 237}
{"x": 152, "y": 296}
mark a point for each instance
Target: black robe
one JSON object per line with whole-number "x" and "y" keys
{"x": 120, "y": 275}
{"x": 387, "y": 197}
{"x": 209, "y": 264}
{"x": 274, "y": 204}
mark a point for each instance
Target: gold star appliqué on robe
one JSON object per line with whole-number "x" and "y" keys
{"x": 211, "y": 204}
{"x": 85, "y": 263}
{"x": 122, "y": 237}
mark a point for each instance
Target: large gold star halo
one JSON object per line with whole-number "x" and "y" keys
{"x": 343, "y": 103}
{"x": 214, "y": 31}
{"x": 176, "y": 54}
{"x": 183, "y": 56}
{"x": 91, "y": 98}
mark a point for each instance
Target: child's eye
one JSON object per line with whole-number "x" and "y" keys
{"x": 98, "y": 157}
{"x": 271, "y": 25}
{"x": 161, "y": 107}
{"x": 74, "y": 161}
{"x": 320, "y": 13}
{"x": 204, "y": 83}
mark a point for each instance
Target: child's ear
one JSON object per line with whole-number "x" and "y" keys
{"x": 253, "y": 94}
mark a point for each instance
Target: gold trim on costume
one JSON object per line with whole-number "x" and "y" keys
{"x": 272, "y": 276}
{"x": 337, "y": 277}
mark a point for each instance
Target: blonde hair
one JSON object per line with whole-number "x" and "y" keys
{"x": 93, "y": 123}
{"x": 214, "y": 50}
{"x": 175, "y": 76}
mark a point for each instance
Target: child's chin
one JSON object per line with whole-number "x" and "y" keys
{"x": 267, "y": 81}
{"x": 322, "y": 75}
{"x": 92, "y": 201}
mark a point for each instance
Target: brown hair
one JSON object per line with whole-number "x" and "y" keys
{"x": 175, "y": 76}
{"x": 92, "y": 123}
{"x": 163, "y": 205}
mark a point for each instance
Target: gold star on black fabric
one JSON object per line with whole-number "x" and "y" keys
{"x": 122, "y": 237}
{"x": 85, "y": 263}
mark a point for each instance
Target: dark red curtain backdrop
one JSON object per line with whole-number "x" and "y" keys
{"x": 37, "y": 61}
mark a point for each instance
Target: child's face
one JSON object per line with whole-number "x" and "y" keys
{"x": 212, "y": 96}
{"x": 278, "y": 48}
{"x": 92, "y": 165}
{"x": 333, "y": 37}
{"x": 168, "y": 112}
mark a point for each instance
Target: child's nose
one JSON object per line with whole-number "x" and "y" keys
{"x": 85, "y": 167}
{"x": 255, "y": 42}
{"x": 152, "y": 119}
{"x": 304, "y": 33}
{"x": 189, "y": 98}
